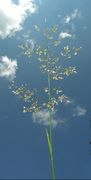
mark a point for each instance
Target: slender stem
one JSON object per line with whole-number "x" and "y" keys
{"x": 50, "y": 132}
{"x": 52, "y": 159}
{"x": 50, "y": 112}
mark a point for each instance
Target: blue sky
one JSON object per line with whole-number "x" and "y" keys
{"x": 23, "y": 145}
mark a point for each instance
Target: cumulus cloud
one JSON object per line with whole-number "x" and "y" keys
{"x": 8, "y": 67}
{"x": 74, "y": 15}
{"x": 12, "y": 16}
{"x": 69, "y": 27}
{"x": 64, "y": 35}
{"x": 79, "y": 111}
{"x": 42, "y": 118}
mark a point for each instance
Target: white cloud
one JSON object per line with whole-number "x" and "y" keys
{"x": 42, "y": 118}
{"x": 64, "y": 35}
{"x": 79, "y": 111}
{"x": 8, "y": 67}
{"x": 12, "y": 16}
{"x": 74, "y": 15}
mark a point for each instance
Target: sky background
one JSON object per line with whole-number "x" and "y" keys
{"x": 23, "y": 145}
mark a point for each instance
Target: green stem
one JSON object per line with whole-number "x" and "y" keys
{"x": 49, "y": 135}
{"x": 50, "y": 112}
{"x": 52, "y": 159}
